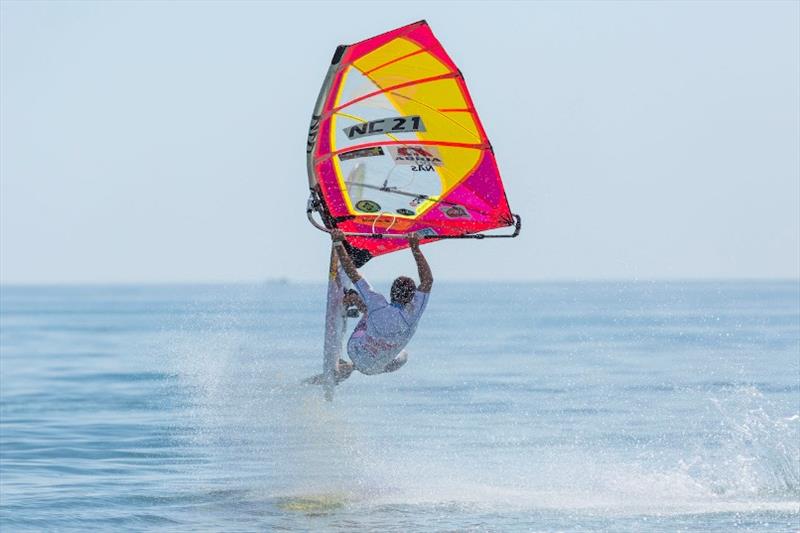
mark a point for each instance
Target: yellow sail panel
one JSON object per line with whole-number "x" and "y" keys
{"x": 409, "y": 69}
{"x": 425, "y": 100}
{"x": 442, "y": 93}
{"x": 388, "y": 52}
{"x": 463, "y": 117}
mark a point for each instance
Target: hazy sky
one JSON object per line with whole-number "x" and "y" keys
{"x": 155, "y": 141}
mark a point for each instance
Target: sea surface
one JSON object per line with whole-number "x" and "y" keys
{"x": 645, "y": 406}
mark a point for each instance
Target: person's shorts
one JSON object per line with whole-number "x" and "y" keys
{"x": 364, "y": 360}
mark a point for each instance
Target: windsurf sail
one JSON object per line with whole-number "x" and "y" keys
{"x": 395, "y": 146}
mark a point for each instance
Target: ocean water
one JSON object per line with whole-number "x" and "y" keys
{"x": 524, "y": 407}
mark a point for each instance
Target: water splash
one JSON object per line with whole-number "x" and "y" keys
{"x": 256, "y": 430}
{"x": 758, "y": 451}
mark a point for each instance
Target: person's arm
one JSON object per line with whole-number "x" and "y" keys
{"x": 425, "y": 274}
{"x": 347, "y": 263}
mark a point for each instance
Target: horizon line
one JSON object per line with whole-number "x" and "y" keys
{"x": 289, "y": 281}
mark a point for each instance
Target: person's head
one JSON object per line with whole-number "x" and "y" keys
{"x": 403, "y": 290}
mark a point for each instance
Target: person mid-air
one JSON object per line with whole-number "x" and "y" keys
{"x": 386, "y": 327}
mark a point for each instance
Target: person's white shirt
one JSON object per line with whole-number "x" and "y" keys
{"x": 385, "y": 330}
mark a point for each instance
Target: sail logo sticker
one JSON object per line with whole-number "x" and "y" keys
{"x": 313, "y": 130}
{"x": 454, "y": 211}
{"x": 364, "y": 152}
{"x": 368, "y": 206}
{"x": 418, "y": 156}
{"x": 385, "y": 125}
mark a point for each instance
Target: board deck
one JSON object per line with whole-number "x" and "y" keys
{"x": 335, "y": 325}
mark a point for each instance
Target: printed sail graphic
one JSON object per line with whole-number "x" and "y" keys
{"x": 396, "y": 146}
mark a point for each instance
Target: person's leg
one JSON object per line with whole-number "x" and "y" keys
{"x": 354, "y": 347}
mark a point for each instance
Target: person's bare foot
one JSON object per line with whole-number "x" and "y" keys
{"x": 343, "y": 370}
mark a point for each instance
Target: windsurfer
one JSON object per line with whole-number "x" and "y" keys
{"x": 376, "y": 345}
